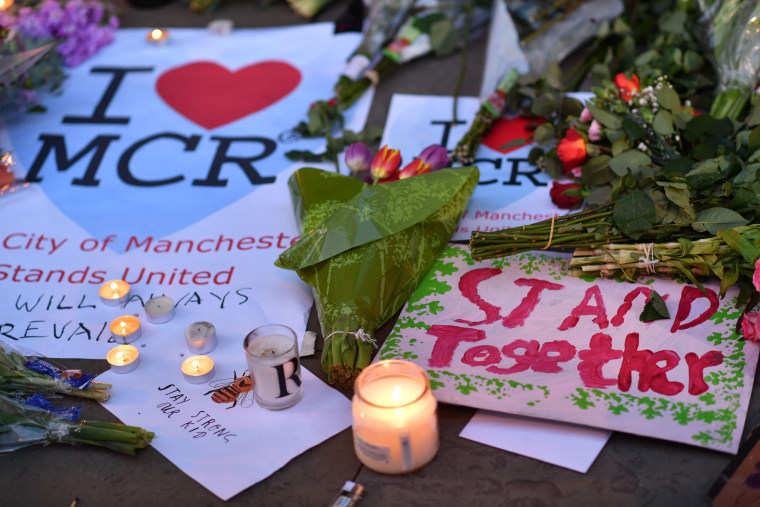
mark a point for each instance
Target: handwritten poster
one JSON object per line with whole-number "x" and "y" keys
{"x": 520, "y": 335}
{"x": 511, "y": 191}
{"x": 164, "y": 167}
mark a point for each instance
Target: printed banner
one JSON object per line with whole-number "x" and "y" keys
{"x": 510, "y": 192}
{"x": 164, "y": 167}
{"x": 520, "y": 335}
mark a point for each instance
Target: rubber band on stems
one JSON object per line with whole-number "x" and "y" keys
{"x": 551, "y": 235}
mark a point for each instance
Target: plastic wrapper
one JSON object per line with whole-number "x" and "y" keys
{"x": 23, "y": 426}
{"x": 365, "y": 249}
{"x": 734, "y": 30}
{"x": 19, "y": 373}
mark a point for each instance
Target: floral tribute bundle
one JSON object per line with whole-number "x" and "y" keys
{"x": 365, "y": 247}
{"x": 28, "y": 418}
{"x": 669, "y": 190}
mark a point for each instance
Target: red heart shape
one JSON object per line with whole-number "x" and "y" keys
{"x": 505, "y": 130}
{"x": 211, "y": 95}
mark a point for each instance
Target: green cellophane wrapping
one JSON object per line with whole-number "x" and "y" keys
{"x": 365, "y": 249}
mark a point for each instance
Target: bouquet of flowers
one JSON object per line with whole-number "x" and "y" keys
{"x": 365, "y": 248}
{"x": 24, "y": 425}
{"x": 654, "y": 173}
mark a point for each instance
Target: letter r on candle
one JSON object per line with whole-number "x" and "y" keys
{"x": 281, "y": 376}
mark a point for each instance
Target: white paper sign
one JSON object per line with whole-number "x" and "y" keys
{"x": 165, "y": 167}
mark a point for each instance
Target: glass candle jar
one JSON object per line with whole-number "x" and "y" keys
{"x": 395, "y": 424}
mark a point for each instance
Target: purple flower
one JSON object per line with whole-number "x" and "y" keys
{"x": 358, "y": 158}
{"x": 435, "y": 155}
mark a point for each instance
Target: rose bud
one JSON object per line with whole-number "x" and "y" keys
{"x": 627, "y": 87}
{"x": 571, "y": 150}
{"x": 562, "y": 200}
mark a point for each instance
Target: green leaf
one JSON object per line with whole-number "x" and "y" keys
{"x": 749, "y": 252}
{"x": 620, "y": 146}
{"x": 634, "y": 214}
{"x": 668, "y": 98}
{"x": 571, "y": 106}
{"x": 596, "y": 171}
{"x": 535, "y": 154}
{"x": 546, "y": 104}
{"x": 609, "y": 120}
{"x": 697, "y": 127}
{"x": 443, "y": 37}
{"x": 681, "y": 197}
{"x": 754, "y": 141}
{"x": 631, "y": 159}
{"x": 554, "y": 76}
{"x": 663, "y": 123}
{"x": 514, "y": 143}
{"x": 654, "y": 309}
{"x": 717, "y": 219}
{"x": 632, "y": 129}
{"x": 692, "y": 61}
{"x": 599, "y": 195}
{"x": 544, "y": 134}
{"x": 552, "y": 166}
{"x": 677, "y": 166}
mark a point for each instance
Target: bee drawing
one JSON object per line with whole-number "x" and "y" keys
{"x": 235, "y": 390}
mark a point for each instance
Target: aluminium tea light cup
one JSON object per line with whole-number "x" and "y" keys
{"x": 201, "y": 337}
{"x": 395, "y": 425}
{"x": 198, "y": 369}
{"x": 125, "y": 329}
{"x": 160, "y": 309}
{"x": 114, "y": 292}
{"x": 123, "y": 358}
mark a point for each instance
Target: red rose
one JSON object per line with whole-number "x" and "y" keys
{"x": 560, "y": 199}
{"x": 571, "y": 150}
{"x": 627, "y": 87}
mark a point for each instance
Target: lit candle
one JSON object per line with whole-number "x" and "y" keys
{"x": 160, "y": 309}
{"x": 272, "y": 354}
{"x": 158, "y": 36}
{"x": 114, "y": 292}
{"x": 394, "y": 417}
{"x": 201, "y": 337}
{"x": 125, "y": 329}
{"x": 198, "y": 369}
{"x": 6, "y": 4}
{"x": 123, "y": 358}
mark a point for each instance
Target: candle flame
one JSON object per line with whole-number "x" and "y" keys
{"x": 114, "y": 287}
{"x": 4, "y": 4}
{"x": 197, "y": 366}
{"x": 156, "y": 34}
{"x": 123, "y": 328}
{"x": 396, "y": 394}
{"x": 120, "y": 356}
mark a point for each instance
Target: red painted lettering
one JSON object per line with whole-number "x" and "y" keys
{"x": 600, "y": 352}
{"x": 697, "y": 384}
{"x": 468, "y": 286}
{"x": 523, "y": 361}
{"x": 651, "y": 374}
{"x": 482, "y": 355}
{"x": 551, "y": 354}
{"x": 584, "y": 308}
{"x": 690, "y": 294}
{"x": 619, "y": 317}
{"x": 447, "y": 339}
{"x": 528, "y": 304}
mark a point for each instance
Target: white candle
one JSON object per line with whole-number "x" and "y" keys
{"x": 123, "y": 358}
{"x": 160, "y": 309}
{"x": 201, "y": 337}
{"x": 272, "y": 354}
{"x": 114, "y": 292}
{"x": 198, "y": 369}
{"x": 394, "y": 417}
{"x": 158, "y": 36}
{"x": 125, "y": 329}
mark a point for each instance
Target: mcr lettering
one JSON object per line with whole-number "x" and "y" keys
{"x": 54, "y": 146}
{"x": 455, "y": 342}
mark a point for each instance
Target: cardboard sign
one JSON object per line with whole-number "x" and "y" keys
{"x": 521, "y": 336}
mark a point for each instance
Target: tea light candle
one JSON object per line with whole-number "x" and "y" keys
{"x": 201, "y": 337}
{"x": 160, "y": 309}
{"x": 158, "y": 36}
{"x": 114, "y": 292}
{"x": 126, "y": 329}
{"x": 123, "y": 358}
{"x": 198, "y": 369}
{"x": 395, "y": 425}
